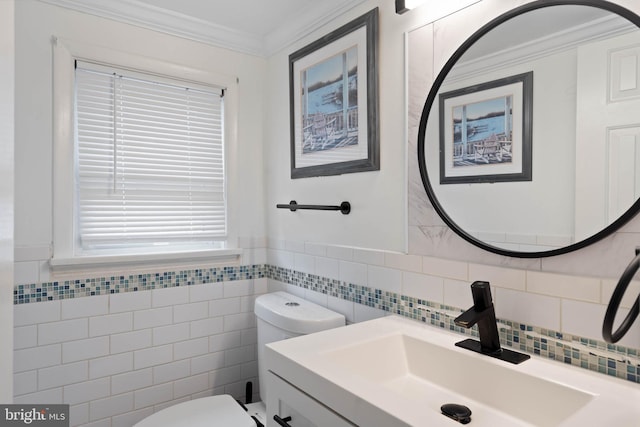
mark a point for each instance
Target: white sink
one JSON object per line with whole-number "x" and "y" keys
{"x": 425, "y": 372}
{"x": 394, "y": 372}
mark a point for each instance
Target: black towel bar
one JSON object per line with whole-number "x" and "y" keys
{"x": 345, "y": 207}
{"x": 614, "y": 303}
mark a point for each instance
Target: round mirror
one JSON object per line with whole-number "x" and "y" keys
{"x": 529, "y": 141}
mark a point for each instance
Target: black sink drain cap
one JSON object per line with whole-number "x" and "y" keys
{"x": 459, "y": 413}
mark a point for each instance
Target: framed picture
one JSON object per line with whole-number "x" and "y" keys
{"x": 485, "y": 131}
{"x": 334, "y": 102}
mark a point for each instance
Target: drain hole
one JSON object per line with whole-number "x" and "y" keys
{"x": 459, "y": 413}
{"x": 291, "y": 304}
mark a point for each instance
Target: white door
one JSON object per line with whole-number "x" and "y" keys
{"x": 608, "y": 131}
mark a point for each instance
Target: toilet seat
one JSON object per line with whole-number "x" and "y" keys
{"x": 213, "y": 411}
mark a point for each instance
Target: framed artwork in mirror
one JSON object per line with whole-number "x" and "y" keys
{"x": 485, "y": 132}
{"x": 333, "y": 90}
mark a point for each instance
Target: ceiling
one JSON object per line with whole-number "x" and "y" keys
{"x": 537, "y": 25}
{"x": 258, "y": 27}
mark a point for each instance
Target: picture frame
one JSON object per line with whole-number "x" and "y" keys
{"x": 333, "y": 90}
{"x": 486, "y": 131}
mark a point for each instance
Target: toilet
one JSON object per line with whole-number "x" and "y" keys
{"x": 280, "y": 316}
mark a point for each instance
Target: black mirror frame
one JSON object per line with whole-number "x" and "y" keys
{"x": 431, "y": 98}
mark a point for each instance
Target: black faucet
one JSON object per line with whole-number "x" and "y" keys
{"x": 483, "y": 314}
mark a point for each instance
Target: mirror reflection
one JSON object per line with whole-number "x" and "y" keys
{"x": 579, "y": 115}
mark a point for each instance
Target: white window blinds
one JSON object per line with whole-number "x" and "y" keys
{"x": 149, "y": 159}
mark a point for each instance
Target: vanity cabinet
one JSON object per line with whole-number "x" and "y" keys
{"x": 285, "y": 400}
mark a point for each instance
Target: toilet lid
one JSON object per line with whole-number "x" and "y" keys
{"x": 214, "y": 411}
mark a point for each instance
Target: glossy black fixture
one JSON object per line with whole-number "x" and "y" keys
{"x": 403, "y": 6}
{"x": 614, "y": 303}
{"x": 345, "y": 207}
{"x": 483, "y": 314}
{"x": 457, "y": 412}
{"x": 400, "y": 7}
{"x": 284, "y": 422}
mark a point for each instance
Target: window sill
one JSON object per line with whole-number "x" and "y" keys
{"x": 106, "y": 260}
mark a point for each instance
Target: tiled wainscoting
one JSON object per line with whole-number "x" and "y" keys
{"x": 617, "y": 361}
{"x": 555, "y": 316}
{"x": 119, "y": 348}
{"x": 116, "y": 358}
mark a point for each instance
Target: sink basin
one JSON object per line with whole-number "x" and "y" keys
{"x": 397, "y": 363}
{"x": 399, "y": 372}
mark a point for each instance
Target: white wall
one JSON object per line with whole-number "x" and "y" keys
{"x": 159, "y": 346}
{"x": 571, "y": 302}
{"x": 567, "y": 293}
{"x": 376, "y": 197}
{"x": 36, "y": 23}
{"x": 379, "y": 199}
{"x": 6, "y": 198}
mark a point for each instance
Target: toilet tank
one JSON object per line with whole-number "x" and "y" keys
{"x": 281, "y": 315}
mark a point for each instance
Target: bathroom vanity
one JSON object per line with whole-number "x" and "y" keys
{"x": 297, "y": 408}
{"x": 394, "y": 371}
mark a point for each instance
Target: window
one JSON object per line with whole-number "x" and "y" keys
{"x": 139, "y": 158}
{"x": 150, "y": 161}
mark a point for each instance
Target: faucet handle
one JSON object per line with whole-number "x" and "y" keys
{"x": 481, "y": 293}
{"x": 471, "y": 317}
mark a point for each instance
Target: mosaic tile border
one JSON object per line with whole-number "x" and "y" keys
{"x": 50, "y": 291}
{"x": 594, "y": 355}
{"x": 597, "y": 356}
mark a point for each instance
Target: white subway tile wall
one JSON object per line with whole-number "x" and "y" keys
{"x": 364, "y": 284}
{"x": 445, "y": 268}
{"x": 430, "y": 288}
{"x": 447, "y": 282}
{"x": 352, "y": 272}
{"x": 498, "y": 276}
{"x": 531, "y": 309}
{"x": 386, "y": 279}
{"x": 570, "y": 287}
{"x": 118, "y": 358}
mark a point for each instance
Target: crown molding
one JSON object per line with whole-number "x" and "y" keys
{"x": 305, "y": 24}
{"x": 162, "y": 20}
{"x": 545, "y": 46}
{"x": 143, "y": 15}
